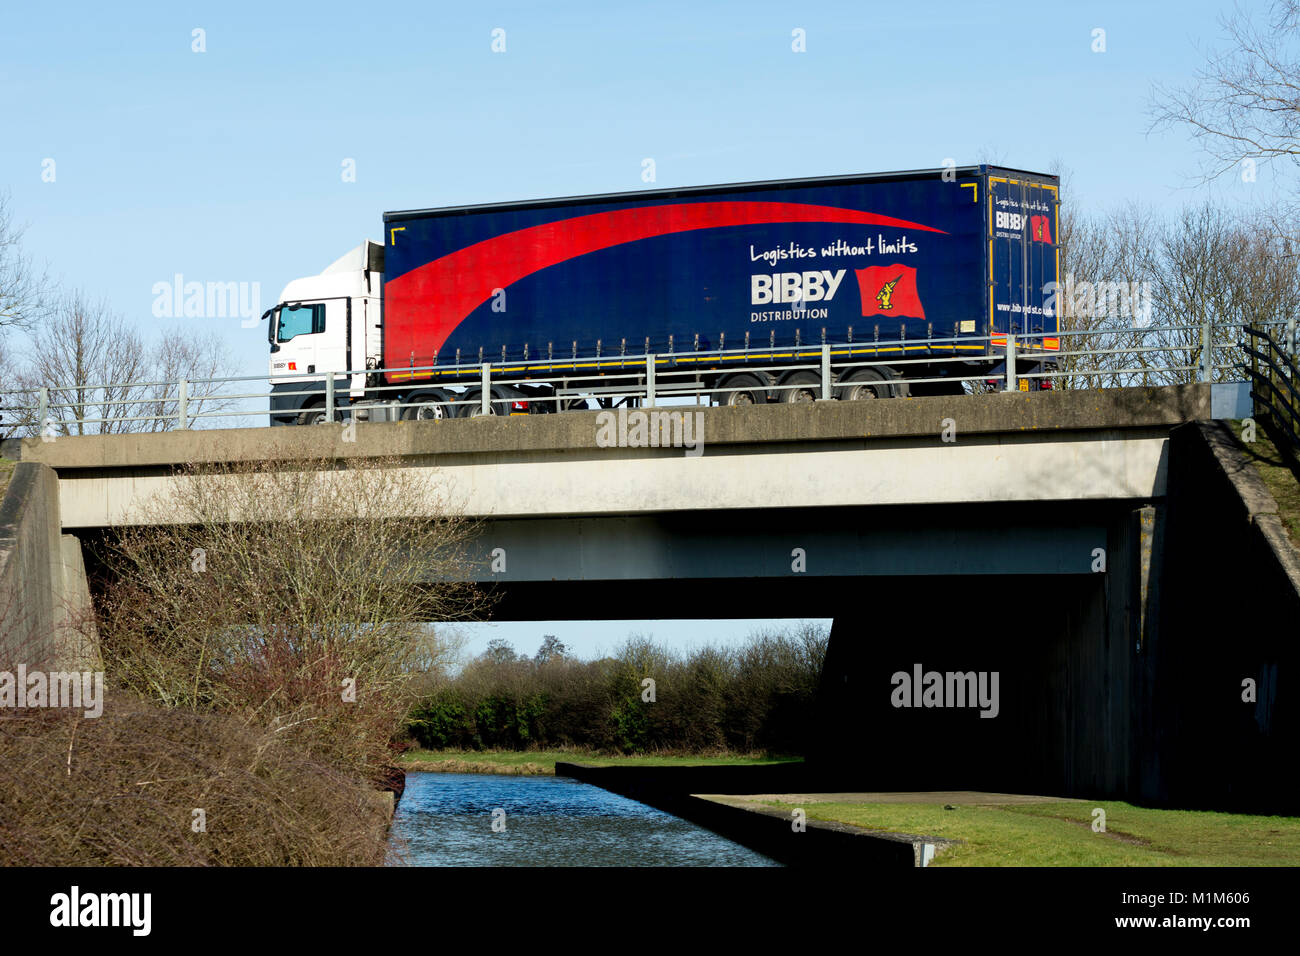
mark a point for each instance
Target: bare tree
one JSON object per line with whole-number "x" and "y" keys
{"x": 195, "y": 357}
{"x": 1210, "y": 269}
{"x": 1138, "y": 290}
{"x": 82, "y": 347}
{"x": 1084, "y": 244}
{"x": 102, "y": 378}
{"x": 299, "y": 595}
{"x": 1102, "y": 258}
{"x": 1244, "y": 105}
{"x": 9, "y": 418}
{"x": 25, "y": 289}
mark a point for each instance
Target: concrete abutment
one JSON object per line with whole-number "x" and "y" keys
{"x": 1129, "y": 683}
{"x": 46, "y": 619}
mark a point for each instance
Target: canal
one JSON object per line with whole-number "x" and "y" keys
{"x": 446, "y": 819}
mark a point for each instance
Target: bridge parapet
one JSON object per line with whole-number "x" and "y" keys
{"x": 1002, "y": 413}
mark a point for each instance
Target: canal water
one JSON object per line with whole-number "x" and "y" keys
{"x": 446, "y": 819}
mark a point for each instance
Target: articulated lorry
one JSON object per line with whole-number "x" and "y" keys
{"x": 929, "y": 270}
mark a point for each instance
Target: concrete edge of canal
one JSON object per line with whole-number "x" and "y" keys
{"x": 691, "y": 793}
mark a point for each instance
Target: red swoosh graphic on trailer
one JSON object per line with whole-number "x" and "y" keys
{"x": 431, "y": 300}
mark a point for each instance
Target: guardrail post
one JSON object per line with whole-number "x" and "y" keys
{"x": 650, "y": 381}
{"x": 1207, "y": 362}
{"x": 1291, "y": 337}
{"x": 1254, "y": 362}
{"x": 826, "y": 373}
{"x": 43, "y": 408}
{"x": 329, "y": 398}
{"x": 183, "y": 404}
{"x": 1011, "y": 362}
{"x": 485, "y": 388}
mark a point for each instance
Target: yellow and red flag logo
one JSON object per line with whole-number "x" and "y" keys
{"x": 890, "y": 291}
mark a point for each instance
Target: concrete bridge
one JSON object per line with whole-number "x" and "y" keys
{"x": 1070, "y": 541}
{"x": 1000, "y": 484}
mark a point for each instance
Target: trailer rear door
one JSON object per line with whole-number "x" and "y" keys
{"x": 1023, "y": 224}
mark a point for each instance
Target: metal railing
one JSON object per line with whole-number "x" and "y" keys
{"x": 1089, "y": 358}
{"x": 1275, "y": 380}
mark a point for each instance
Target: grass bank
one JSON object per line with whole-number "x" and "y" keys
{"x": 1277, "y": 476}
{"x": 1061, "y": 834}
{"x": 543, "y": 761}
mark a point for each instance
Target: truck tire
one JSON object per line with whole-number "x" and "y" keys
{"x": 312, "y": 415}
{"x": 865, "y": 383}
{"x": 433, "y": 407}
{"x": 502, "y": 396}
{"x": 758, "y": 395}
{"x": 801, "y": 387}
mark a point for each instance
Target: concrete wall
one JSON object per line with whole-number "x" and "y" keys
{"x": 44, "y": 598}
{"x": 1063, "y": 721}
{"x": 1122, "y": 684}
{"x": 1230, "y": 611}
{"x": 823, "y": 844}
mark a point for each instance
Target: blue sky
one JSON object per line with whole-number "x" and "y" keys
{"x": 592, "y": 639}
{"x": 226, "y": 165}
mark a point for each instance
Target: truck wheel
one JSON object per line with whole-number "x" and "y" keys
{"x": 312, "y": 416}
{"x": 801, "y": 387}
{"x": 432, "y": 407}
{"x": 758, "y": 395}
{"x": 865, "y": 383}
{"x": 502, "y": 396}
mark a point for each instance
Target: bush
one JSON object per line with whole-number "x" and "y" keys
{"x": 758, "y": 697}
{"x": 254, "y": 592}
{"x": 122, "y": 790}
{"x": 440, "y": 721}
{"x": 260, "y": 666}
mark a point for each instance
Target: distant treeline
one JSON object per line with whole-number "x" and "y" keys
{"x": 757, "y": 697}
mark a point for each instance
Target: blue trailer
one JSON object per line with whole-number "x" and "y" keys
{"x": 732, "y": 282}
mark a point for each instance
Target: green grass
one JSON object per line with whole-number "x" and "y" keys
{"x": 1060, "y": 834}
{"x": 1279, "y": 479}
{"x": 6, "y": 472}
{"x": 543, "y": 761}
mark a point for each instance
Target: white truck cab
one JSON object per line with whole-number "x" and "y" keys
{"x": 325, "y": 325}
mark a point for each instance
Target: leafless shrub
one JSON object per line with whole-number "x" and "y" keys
{"x": 122, "y": 790}
{"x": 297, "y": 598}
